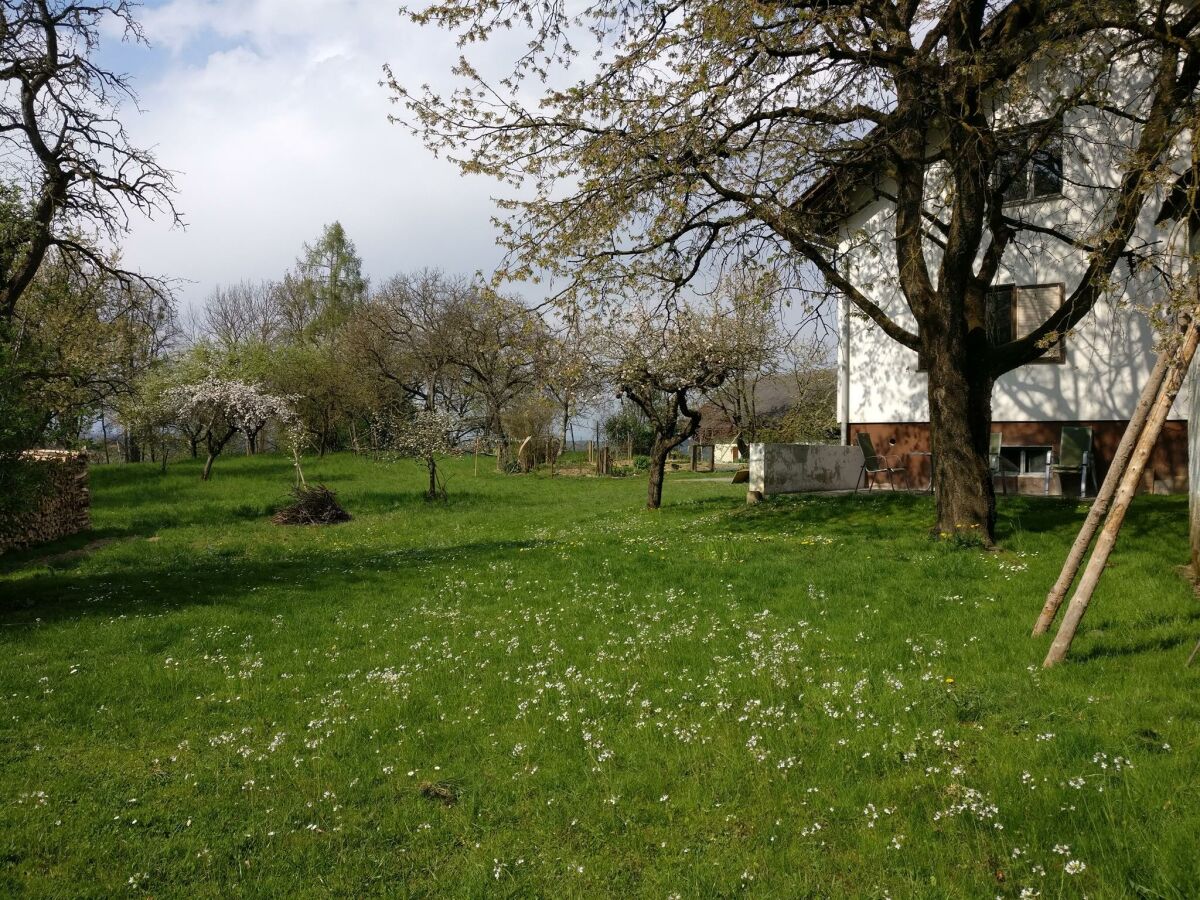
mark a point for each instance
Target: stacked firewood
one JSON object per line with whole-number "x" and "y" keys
{"x": 58, "y": 504}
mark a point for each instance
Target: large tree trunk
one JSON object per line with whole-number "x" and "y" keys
{"x": 501, "y": 451}
{"x": 208, "y": 464}
{"x": 960, "y": 424}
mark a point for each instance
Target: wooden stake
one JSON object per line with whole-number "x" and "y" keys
{"x": 1195, "y": 650}
{"x": 1083, "y": 540}
{"x": 1124, "y": 495}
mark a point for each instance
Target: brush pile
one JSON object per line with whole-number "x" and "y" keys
{"x": 312, "y": 505}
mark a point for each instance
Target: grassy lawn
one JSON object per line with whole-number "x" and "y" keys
{"x": 803, "y": 698}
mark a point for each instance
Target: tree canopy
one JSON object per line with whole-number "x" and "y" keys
{"x": 701, "y": 134}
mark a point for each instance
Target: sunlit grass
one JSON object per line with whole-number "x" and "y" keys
{"x": 541, "y": 689}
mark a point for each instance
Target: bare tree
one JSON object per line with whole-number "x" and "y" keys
{"x": 497, "y": 343}
{"x": 243, "y": 313}
{"x": 407, "y": 337}
{"x": 812, "y": 413}
{"x": 67, "y": 167}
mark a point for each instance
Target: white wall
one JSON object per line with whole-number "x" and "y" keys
{"x": 1110, "y": 353}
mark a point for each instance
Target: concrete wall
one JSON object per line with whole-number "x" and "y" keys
{"x": 59, "y": 505}
{"x": 794, "y": 468}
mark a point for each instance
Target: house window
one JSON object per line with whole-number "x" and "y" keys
{"x": 1029, "y": 165}
{"x": 1025, "y": 460}
{"x": 1015, "y": 311}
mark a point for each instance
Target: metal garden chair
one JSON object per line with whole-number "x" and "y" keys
{"x": 875, "y": 465}
{"x": 1075, "y": 455}
{"x": 1000, "y": 467}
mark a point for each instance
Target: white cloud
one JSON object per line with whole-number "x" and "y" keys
{"x": 271, "y": 112}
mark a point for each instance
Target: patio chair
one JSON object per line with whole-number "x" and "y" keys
{"x": 875, "y": 465}
{"x": 1075, "y": 455}
{"x": 1000, "y": 467}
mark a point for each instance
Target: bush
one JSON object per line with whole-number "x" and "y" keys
{"x": 311, "y": 505}
{"x": 641, "y": 463}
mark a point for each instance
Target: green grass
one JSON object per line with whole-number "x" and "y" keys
{"x": 803, "y": 698}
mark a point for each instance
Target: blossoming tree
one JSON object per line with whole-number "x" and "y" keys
{"x": 660, "y": 359}
{"x": 221, "y": 407}
{"x": 424, "y": 435}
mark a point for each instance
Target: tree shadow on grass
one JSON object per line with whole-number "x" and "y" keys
{"x": 882, "y": 514}
{"x": 143, "y": 585}
{"x": 65, "y": 553}
{"x": 1181, "y": 631}
{"x": 875, "y": 514}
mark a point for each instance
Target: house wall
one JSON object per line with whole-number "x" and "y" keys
{"x": 1166, "y": 471}
{"x": 726, "y": 454}
{"x": 1110, "y": 353}
{"x": 1194, "y": 471}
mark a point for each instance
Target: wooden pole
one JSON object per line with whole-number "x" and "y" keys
{"x": 1133, "y": 431}
{"x": 1124, "y": 495}
{"x": 1195, "y": 650}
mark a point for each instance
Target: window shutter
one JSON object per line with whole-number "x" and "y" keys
{"x": 1034, "y": 305}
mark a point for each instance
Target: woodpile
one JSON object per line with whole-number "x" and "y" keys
{"x": 59, "y": 503}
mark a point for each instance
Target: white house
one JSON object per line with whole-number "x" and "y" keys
{"x": 1092, "y": 377}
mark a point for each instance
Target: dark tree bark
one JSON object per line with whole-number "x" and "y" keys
{"x": 433, "y": 492}
{"x": 61, "y": 115}
{"x": 960, "y": 419}
{"x": 215, "y": 446}
{"x": 674, "y": 422}
{"x": 743, "y": 446}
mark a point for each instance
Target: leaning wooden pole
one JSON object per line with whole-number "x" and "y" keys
{"x": 1083, "y": 540}
{"x": 1124, "y": 495}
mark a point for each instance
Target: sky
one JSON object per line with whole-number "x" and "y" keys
{"x": 272, "y": 116}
